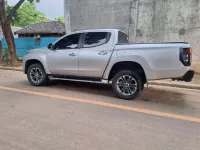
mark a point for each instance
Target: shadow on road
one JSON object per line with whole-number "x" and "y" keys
{"x": 151, "y": 94}
{"x": 159, "y": 95}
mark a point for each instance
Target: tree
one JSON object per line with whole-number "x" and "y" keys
{"x": 6, "y": 19}
{"x": 27, "y": 15}
{"x": 61, "y": 19}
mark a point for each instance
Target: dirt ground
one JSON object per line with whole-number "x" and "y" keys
{"x": 78, "y": 120}
{"x": 196, "y": 79}
{"x": 4, "y": 63}
{"x": 196, "y": 66}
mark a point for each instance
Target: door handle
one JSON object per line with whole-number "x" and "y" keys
{"x": 102, "y": 53}
{"x": 72, "y": 54}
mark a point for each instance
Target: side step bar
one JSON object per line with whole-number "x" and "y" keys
{"x": 51, "y": 77}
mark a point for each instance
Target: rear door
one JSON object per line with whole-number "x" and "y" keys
{"x": 95, "y": 53}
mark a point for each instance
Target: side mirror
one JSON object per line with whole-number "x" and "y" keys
{"x": 50, "y": 46}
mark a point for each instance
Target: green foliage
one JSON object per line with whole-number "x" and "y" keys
{"x": 31, "y": 1}
{"x": 27, "y": 15}
{"x": 8, "y": 8}
{"x": 61, "y": 19}
{"x": 6, "y": 55}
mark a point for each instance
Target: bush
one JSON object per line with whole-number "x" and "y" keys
{"x": 6, "y": 55}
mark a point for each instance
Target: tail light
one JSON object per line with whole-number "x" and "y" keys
{"x": 186, "y": 56}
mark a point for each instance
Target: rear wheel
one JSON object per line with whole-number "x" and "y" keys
{"x": 127, "y": 85}
{"x": 36, "y": 75}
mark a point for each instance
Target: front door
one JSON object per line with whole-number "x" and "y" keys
{"x": 63, "y": 59}
{"x": 94, "y": 54}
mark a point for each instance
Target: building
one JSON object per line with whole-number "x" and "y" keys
{"x": 142, "y": 20}
{"x": 14, "y": 29}
{"x": 44, "y": 29}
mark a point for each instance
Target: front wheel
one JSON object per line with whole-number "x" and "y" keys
{"x": 127, "y": 85}
{"x": 36, "y": 75}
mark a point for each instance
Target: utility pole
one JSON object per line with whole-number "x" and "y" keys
{"x": 133, "y": 20}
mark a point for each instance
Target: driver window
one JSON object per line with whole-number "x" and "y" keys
{"x": 68, "y": 42}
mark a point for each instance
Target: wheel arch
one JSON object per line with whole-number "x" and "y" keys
{"x": 127, "y": 65}
{"x": 31, "y": 62}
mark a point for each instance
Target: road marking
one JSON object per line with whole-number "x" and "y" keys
{"x": 156, "y": 113}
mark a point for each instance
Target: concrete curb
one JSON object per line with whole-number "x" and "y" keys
{"x": 185, "y": 86}
{"x": 11, "y": 68}
{"x": 169, "y": 84}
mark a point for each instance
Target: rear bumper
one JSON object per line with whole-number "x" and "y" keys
{"x": 188, "y": 76}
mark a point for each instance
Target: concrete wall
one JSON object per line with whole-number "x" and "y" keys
{"x": 167, "y": 20}
{"x": 89, "y": 14}
{"x": 143, "y": 20}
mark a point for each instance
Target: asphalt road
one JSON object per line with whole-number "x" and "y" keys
{"x": 77, "y": 116}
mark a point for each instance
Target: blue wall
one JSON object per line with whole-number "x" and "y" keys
{"x": 25, "y": 44}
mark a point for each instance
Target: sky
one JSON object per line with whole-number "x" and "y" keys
{"x": 51, "y": 8}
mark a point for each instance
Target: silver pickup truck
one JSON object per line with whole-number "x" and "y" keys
{"x": 104, "y": 55}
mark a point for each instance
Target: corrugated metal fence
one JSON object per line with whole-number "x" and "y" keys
{"x": 23, "y": 45}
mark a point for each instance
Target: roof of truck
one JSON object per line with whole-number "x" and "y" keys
{"x": 97, "y": 30}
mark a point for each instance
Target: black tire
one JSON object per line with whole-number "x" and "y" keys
{"x": 41, "y": 81}
{"x": 135, "y": 86}
{"x": 143, "y": 86}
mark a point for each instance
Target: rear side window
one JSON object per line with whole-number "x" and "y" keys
{"x": 122, "y": 37}
{"x": 96, "y": 39}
